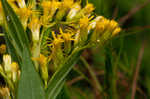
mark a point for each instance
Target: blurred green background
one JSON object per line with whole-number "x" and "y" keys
{"x": 121, "y": 68}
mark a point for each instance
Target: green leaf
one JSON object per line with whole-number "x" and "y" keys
{"x": 11, "y": 49}
{"x": 58, "y": 90}
{"x": 14, "y": 28}
{"x": 64, "y": 93}
{"x": 30, "y": 84}
{"x": 60, "y": 75}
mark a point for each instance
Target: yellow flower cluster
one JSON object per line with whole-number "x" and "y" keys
{"x": 59, "y": 27}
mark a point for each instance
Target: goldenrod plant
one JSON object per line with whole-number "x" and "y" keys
{"x": 46, "y": 37}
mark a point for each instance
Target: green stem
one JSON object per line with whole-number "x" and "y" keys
{"x": 82, "y": 74}
{"x": 9, "y": 82}
{"x": 36, "y": 53}
{"x": 111, "y": 72}
{"x": 98, "y": 85}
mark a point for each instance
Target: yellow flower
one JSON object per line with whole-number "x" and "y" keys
{"x": 21, "y": 3}
{"x": 34, "y": 26}
{"x": 49, "y": 9}
{"x": 93, "y": 23}
{"x": 113, "y": 25}
{"x": 42, "y": 60}
{"x": 15, "y": 68}
{"x": 84, "y": 22}
{"x": 116, "y": 31}
{"x": 88, "y": 8}
{"x": 66, "y": 36}
{"x": 24, "y": 14}
{"x": 74, "y": 10}
{"x": 46, "y": 6}
{"x": 7, "y": 64}
{"x": 56, "y": 42}
{"x": 67, "y": 4}
{"x": 43, "y": 66}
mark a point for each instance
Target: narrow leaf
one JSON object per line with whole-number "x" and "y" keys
{"x": 58, "y": 90}
{"x": 60, "y": 74}
{"x": 11, "y": 49}
{"x": 14, "y": 28}
{"x": 30, "y": 84}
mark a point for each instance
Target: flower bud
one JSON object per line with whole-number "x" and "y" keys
{"x": 74, "y": 10}
{"x": 43, "y": 66}
{"x": 21, "y": 3}
{"x": 34, "y": 26}
{"x": 93, "y": 23}
{"x": 88, "y": 8}
{"x": 112, "y": 25}
{"x": 64, "y": 8}
{"x": 14, "y": 67}
{"x": 7, "y": 65}
{"x": 116, "y": 31}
